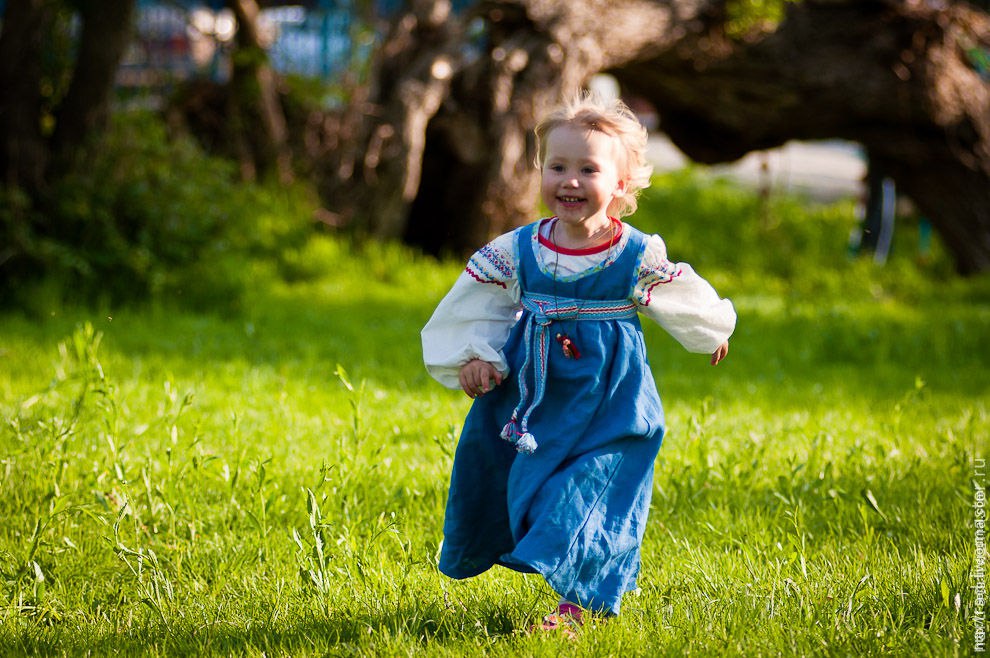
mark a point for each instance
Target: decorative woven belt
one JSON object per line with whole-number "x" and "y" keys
{"x": 543, "y": 311}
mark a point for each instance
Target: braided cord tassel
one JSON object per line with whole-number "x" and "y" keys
{"x": 525, "y": 442}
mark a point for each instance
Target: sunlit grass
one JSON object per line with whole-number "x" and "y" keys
{"x": 272, "y": 481}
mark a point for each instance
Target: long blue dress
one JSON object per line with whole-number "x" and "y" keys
{"x": 574, "y": 510}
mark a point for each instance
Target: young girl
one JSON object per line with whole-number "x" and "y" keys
{"x": 554, "y": 468}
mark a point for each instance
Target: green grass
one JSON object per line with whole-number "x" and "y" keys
{"x": 272, "y": 481}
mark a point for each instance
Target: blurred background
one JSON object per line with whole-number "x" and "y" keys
{"x": 141, "y": 138}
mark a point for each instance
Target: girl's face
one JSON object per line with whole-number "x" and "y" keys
{"x": 580, "y": 176}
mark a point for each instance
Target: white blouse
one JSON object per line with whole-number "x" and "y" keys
{"x": 473, "y": 320}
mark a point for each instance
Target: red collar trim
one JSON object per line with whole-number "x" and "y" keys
{"x": 586, "y": 251}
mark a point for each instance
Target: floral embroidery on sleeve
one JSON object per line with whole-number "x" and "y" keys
{"x": 491, "y": 264}
{"x": 652, "y": 275}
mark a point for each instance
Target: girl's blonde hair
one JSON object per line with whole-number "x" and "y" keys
{"x": 611, "y": 117}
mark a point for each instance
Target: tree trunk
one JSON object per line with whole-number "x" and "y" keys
{"x": 23, "y": 147}
{"x": 453, "y": 167}
{"x": 43, "y": 131}
{"x": 478, "y": 178}
{"x": 472, "y": 160}
{"x": 254, "y": 88}
{"x": 410, "y": 80}
{"x": 106, "y": 31}
{"x": 437, "y": 148}
{"x": 899, "y": 77}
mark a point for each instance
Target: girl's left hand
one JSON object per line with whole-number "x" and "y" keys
{"x": 720, "y": 353}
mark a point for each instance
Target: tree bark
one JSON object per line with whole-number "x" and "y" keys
{"x": 479, "y": 174}
{"x": 410, "y": 79}
{"x": 255, "y": 94}
{"x": 896, "y": 75}
{"x": 23, "y": 146}
{"x": 106, "y": 31}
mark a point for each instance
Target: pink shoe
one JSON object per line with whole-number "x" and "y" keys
{"x": 566, "y": 619}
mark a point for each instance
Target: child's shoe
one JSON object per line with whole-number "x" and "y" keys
{"x": 566, "y": 619}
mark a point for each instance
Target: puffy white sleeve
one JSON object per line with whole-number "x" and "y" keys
{"x": 473, "y": 320}
{"x": 674, "y": 296}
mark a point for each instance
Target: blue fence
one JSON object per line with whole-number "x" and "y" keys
{"x": 176, "y": 41}
{"x": 314, "y": 43}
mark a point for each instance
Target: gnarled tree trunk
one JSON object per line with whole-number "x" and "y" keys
{"x": 895, "y": 76}
{"x": 374, "y": 156}
{"x": 898, "y": 76}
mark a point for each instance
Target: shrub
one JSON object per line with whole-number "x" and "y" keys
{"x": 147, "y": 216}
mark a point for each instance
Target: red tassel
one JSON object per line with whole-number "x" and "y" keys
{"x": 568, "y": 347}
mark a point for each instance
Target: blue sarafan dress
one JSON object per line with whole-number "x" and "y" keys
{"x": 553, "y": 471}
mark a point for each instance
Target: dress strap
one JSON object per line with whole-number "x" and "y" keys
{"x": 544, "y": 310}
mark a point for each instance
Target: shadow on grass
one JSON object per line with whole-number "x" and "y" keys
{"x": 868, "y": 353}
{"x": 409, "y": 628}
{"x": 371, "y": 340}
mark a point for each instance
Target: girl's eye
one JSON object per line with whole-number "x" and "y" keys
{"x": 589, "y": 170}
{"x": 557, "y": 168}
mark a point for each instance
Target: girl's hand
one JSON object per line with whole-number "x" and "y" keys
{"x": 720, "y": 353}
{"x": 477, "y": 377}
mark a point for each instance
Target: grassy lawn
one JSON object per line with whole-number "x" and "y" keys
{"x": 271, "y": 481}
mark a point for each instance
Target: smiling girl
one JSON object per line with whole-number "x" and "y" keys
{"x": 554, "y": 467}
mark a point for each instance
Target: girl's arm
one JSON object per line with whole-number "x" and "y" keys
{"x": 473, "y": 320}
{"x": 674, "y": 296}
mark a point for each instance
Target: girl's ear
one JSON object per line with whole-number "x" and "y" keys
{"x": 620, "y": 188}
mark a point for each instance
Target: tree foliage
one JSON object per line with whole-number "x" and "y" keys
{"x": 123, "y": 210}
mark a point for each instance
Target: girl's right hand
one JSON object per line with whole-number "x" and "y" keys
{"x": 720, "y": 353}
{"x": 477, "y": 377}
